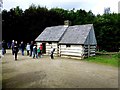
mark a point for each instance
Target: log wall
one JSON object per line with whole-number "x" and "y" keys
{"x": 48, "y": 48}
{"x": 89, "y": 50}
{"x": 74, "y": 51}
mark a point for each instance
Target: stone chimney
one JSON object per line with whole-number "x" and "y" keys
{"x": 67, "y": 23}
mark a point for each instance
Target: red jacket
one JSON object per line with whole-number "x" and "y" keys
{"x": 41, "y": 47}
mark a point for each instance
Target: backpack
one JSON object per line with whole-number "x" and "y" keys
{"x": 15, "y": 49}
{"x": 53, "y": 49}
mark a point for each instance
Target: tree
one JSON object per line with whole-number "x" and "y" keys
{"x": 27, "y": 25}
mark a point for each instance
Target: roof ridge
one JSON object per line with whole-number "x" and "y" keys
{"x": 63, "y": 33}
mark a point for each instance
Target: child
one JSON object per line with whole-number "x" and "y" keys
{"x": 41, "y": 48}
{"x": 39, "y": 52}
{"x": 35, "y": 51}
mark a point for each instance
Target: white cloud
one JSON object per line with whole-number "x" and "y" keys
{"x": 97, "y": 6}
{"x": 8, "y": 4}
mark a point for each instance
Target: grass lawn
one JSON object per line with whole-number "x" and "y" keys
{"x": 107, "y": 59}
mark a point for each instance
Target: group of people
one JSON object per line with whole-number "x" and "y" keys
{"x": 32, "y": 49}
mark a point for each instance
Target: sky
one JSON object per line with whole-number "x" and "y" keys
{"x": 96, "y": 6}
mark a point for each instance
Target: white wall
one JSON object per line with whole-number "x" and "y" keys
{"x": 48, "y": 48}
{"x": 38, "y": 44}
{"x": 72, "y": 51}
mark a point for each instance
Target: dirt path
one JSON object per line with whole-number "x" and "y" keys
{"x": 57, "y": 73}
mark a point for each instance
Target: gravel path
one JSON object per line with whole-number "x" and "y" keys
{"x": 57, "y": 73}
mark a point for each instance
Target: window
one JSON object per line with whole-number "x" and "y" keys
{"x": 49, "y": 42}
{"x": 68, "y": 45}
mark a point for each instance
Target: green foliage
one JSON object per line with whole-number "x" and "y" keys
{"x": 107, "y": 30}
{"x": 27, "y": 25}
{"x": 103, "y": 51}
{"x": 118, "y": 55}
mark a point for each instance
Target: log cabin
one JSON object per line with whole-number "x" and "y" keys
{"x": 76, "y": 41}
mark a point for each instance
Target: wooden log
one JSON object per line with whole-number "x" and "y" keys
{"x": 92, "y": 54}
{"x": 71, "y": 54}
{"x": 72, "y": 51}
{"x": 73, "y": 57}
{"x": 92, "y": 47}
{"x": 92, "y": 51}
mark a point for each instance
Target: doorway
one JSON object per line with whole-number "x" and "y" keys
{"x": 44, "y": 48}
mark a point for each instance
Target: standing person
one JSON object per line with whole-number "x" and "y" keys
{"x": 28, "y": 48}
{"x": 12, "y": 46}
{"x": 41, "y": 48}
{"x": 3, "y": 47}
{"x": 52, "y": 52}
{"x": 35, "y": 51}
{"x": 22, "y": 46}
{"x": 31, "y": 48}
{"x": 15, "y": 50}
{"x": 8, "y": 45}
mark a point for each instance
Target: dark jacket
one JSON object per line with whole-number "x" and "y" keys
{"x": 22, "y": 46}
{"x": 15, "y": 48}
{"x": 31, "y": 47}
{"x": 4, "y": 45}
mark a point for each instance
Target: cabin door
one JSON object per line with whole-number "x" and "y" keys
{"x": 44, "y": 48}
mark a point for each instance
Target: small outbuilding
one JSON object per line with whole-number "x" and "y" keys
{"x": 77, "y": 41}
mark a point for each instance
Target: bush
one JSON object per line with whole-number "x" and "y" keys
{"x": 118, "y": 55}
{"x": 103, "y": 51}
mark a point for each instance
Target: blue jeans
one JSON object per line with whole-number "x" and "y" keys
{"x": 22, "y": 50}
{"x": 31, "y": 53}
{"x": 12, "y": 51}
{"x": 3, "y": 51}
{"x": 35, "y": 54}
